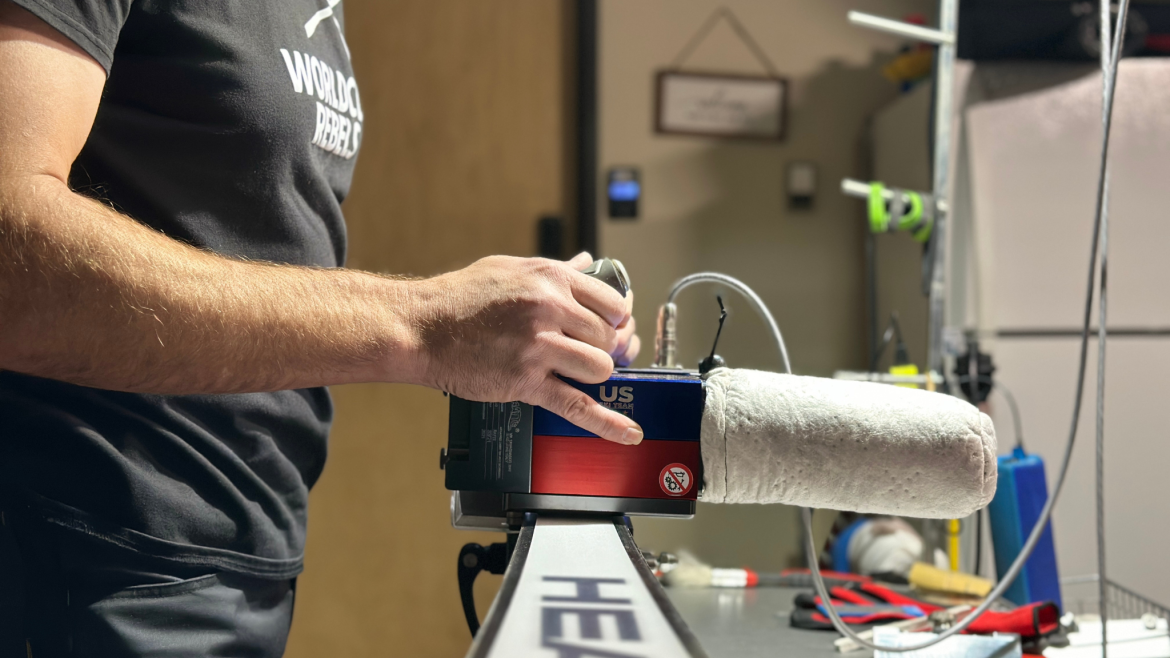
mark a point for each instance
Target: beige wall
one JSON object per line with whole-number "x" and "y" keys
{"x": 720, "y": 205}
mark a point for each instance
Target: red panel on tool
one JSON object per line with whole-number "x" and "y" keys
{"x": 586, "y": 466}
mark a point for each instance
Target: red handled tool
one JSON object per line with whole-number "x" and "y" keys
{"x": 867, "y": 604}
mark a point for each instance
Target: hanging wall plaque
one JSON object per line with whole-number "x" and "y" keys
{"x": 721, "y": 105}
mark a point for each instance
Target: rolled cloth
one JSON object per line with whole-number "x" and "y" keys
{"x": 857, "y": 446}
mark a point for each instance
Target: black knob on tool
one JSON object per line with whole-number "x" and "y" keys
{"x": 473, "y": 559}
{"x": 610, "y": 271}
{"x": 453, "y": 455}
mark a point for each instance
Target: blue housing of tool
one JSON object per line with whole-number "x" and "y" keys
{"x": 667, "y": 404}
{"x": 1019, "y": 498}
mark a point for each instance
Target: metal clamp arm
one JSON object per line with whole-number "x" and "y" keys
{"x": 473, "y": 559}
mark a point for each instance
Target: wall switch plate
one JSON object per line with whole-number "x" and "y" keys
{"x": 801, "y": 185}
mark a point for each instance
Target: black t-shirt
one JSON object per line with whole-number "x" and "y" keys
{"x": 231, "y": 125}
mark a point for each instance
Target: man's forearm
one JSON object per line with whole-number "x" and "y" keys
{"x": 92, "y": 297}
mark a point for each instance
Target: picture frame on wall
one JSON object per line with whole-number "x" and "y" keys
{"x": 718, "y": 105}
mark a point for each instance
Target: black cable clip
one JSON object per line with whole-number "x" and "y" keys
{"x": 714, "y": 361}
{"x": 974, "y": 370}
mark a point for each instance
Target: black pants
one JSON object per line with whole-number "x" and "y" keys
{"x": 62, "y": 594}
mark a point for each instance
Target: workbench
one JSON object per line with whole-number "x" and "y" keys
{"x": 750, "y": 623}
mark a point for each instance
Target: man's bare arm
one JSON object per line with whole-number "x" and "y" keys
{"x": 92, "y": 297}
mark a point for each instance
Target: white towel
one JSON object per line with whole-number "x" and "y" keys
{"x": 858, "y": 446}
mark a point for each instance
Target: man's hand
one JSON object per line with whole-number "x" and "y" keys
{"x": 504, "y": 328}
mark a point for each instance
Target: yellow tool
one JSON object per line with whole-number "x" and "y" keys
{"x": 905, "y": 369}
{"x": 929, "y": 577}
{"x": 953, "y": 540}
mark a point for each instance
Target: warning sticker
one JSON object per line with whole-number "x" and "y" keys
{"x": 676, "y": 479}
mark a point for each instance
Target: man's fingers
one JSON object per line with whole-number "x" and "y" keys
{"x": 588, "y": 327}
{"x": 580, "y": 261}
{"x": 625, "y": 338}
{"x": 600, "y": 298}
{"x": 585, "y": 412}
{"x": 628, "y": 342}
{"x": 597, "y": 296}
{"x": 576, "y": 360}
{"x": 624, "y": 332}
{"x": 631, "y": 353}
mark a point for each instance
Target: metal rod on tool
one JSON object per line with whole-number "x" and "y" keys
{"x": 860, "y": 189}
{"x": 908, "y": 30}
{"x": 943, "y": 101}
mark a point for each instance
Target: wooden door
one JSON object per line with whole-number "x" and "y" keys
{"x": 465, "y": 146}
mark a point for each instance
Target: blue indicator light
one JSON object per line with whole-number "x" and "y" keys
{"x": 624, "y": 190}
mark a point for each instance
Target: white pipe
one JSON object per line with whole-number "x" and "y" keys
{"x": 908, "y": 30}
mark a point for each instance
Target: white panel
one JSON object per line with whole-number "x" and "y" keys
{"x": 1034, "y": 158}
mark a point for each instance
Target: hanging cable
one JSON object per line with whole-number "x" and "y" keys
{"x": 1109, "y": 64}
{"x": 893, "y": 334}
{"x": 1017, "y": 421}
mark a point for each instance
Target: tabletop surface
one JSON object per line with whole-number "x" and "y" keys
{"x": 746, "y": 623}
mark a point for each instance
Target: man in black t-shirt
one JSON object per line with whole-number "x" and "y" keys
{"x": 172, "y": 303}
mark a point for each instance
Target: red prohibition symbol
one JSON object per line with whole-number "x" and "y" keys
{"x": 676, "y": 479}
